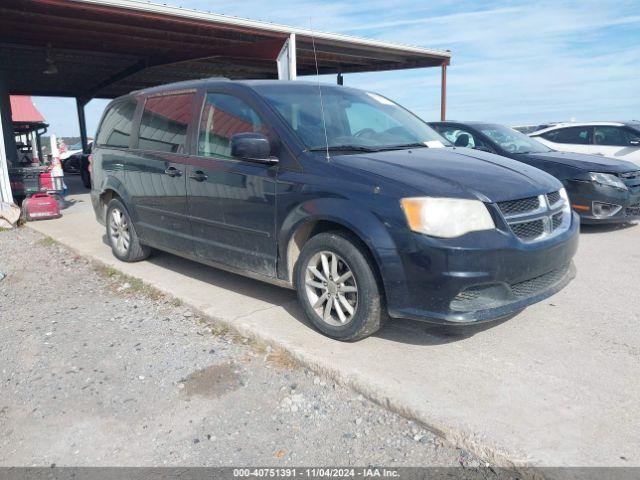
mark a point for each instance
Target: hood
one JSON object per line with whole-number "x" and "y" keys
{"x": 455, "y": 172}
{"x": 581, "y": 161}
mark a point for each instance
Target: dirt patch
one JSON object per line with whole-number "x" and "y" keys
{"x": 214, "y": 381}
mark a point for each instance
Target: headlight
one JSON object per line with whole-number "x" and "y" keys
{"x": 608, "y": 180}
{"x": 446, "y": 217}
{"x": 563, "y": 195}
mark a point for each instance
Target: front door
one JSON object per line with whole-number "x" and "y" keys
{"x": 231, "y": 202}
{"x": 616, "y": 142}
{"x": 156, "y": 172}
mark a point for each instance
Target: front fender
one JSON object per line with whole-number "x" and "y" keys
{"x": 360, "y": 221}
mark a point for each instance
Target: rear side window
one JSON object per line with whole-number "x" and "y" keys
{"x": 615, "y": 136}
{"x": 164, "y": 123}
{"x": 115, "y": 130}
{"x": 222, "y": 117}
{"x": 575, "y": 135}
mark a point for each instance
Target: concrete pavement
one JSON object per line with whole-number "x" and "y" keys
{"x": 556, "y": 385}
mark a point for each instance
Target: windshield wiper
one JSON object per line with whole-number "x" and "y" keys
{"x": 404, "y": 145}
{"x": 343, "y": 148}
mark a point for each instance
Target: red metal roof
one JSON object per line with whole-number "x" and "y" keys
{"x": 23, "y": 110}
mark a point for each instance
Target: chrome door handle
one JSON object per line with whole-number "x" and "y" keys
{"x": 173, "y": 172}
{"x": 199, "y": 176}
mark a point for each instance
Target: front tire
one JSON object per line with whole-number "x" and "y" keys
{"x": 338, "y": 288}
{"x": 122, "y": 236}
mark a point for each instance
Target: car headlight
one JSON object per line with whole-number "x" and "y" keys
{"x": 446, "y": 217}
{"x": 607, "y": 179}
{"x": 564, "y": 195}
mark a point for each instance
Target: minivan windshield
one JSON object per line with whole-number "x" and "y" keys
{"x": 512, "y": 140}
{"x": 355, "y": 120}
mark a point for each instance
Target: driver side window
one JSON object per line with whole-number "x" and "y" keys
{"x": 460, "y": 138}
{"x": 362, "y": 116}
{"x": 222, "y": 117}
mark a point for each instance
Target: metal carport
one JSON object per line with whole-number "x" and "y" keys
{"x": 105, "y": 48}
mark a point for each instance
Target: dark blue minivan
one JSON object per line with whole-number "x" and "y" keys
{"x": 339, "y": 193}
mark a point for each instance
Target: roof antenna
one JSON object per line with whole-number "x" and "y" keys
{"x": 324, "y": 123}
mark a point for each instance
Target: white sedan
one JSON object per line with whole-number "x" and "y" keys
{"x": 611, "y": 139}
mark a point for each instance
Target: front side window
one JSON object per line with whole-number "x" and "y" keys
{"x": 575, "y": 135}
{"x": 511, "y": 140}
{"x": 459, "y": 137}
{"x": 115, "y": 130}
{"x": 353, "y": 119}
{"x": 164, "y": 123}
{"x": 223, "y": 116}
{"x": 614, "y": 136}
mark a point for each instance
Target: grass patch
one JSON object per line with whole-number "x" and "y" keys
{"x": 219, "y": 330}
{"x": 176, "y": 302}
{"x": 47, "y": 242}
{"x": 281, "y": 359}
{"x": 138, "y": 287}
{"x": 108, "y": 271}
{"x": 135, "y": 285}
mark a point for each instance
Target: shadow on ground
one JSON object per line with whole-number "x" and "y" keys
{"x": 395, "y": 330}
{"x": 587, "y": 229}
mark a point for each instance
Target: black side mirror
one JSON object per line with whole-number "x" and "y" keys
{"x": 635, "y": 142}
{"x": 252, "y": 146}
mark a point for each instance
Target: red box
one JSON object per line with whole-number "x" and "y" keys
{"x": 41, "y": 206}
{"x": 46, "y": 182}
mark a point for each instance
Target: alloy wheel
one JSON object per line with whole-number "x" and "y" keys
{"x": 331, "y": 288}
{"x": 119, "y": 231}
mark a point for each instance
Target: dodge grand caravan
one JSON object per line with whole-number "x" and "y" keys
{"x": 348, "y": 198}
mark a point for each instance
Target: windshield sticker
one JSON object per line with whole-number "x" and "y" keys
{"x": 434, "y": 144}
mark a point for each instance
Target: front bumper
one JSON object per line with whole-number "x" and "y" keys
{"x": 583, "y": 195}
{"x": 482, "y": 276}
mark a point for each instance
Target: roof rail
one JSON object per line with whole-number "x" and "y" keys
{"x": 183, "y": 84}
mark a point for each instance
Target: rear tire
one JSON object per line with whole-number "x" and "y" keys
{"x": 121, "y": 234}
{"x": 338, "y": 288}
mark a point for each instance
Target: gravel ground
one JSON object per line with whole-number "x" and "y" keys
{"x": 100, "y": 370}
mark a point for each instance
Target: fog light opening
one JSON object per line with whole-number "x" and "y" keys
{"x": 604, "y": 210}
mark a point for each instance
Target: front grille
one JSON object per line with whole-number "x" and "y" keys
{"x": 631, "y": 175}
{"x": 529, "y": 288}
{"x": 631, "y": 180}
{"x": 528, "y": 230}
{"x": 533, "y": 218}
{"x": 515, "y": 207}
{"x": 481, "y": 297}
{"x": 633, "y": 210}
{"x": 553, "y": 197}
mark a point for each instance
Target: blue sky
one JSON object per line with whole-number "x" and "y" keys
{"x": 513, "y": 62}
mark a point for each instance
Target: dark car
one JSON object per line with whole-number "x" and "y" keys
{"x": 79, "y": 163}
{"x": 601, "y": 189}
{"x": 343, "y": 201}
